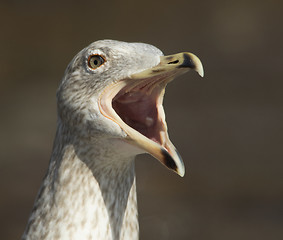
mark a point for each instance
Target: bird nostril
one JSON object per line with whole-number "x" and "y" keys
{"x": 174, "y": 62}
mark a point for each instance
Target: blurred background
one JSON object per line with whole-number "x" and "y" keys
{"x": 227, "y": 126}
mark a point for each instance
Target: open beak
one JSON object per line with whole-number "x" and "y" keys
{"x": 135, "y": 104}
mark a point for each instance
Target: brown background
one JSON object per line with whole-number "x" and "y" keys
{"x": 227, "y": 126}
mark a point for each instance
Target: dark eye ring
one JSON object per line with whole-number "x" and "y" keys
{"x": 95, "y": 61}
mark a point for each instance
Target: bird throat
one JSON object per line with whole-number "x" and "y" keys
{"x": 82, "y": 198}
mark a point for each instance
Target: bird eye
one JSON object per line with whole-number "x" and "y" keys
{"x": 95, "y": 61}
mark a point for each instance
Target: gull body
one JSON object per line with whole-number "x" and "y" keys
{"x": 109, "y": 110}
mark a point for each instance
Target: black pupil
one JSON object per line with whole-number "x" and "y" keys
{"x": 95, "y": 62}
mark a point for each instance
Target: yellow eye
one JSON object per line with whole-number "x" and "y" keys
{"x": 95, "y": 61}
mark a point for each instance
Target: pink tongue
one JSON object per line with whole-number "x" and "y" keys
{"x": 136, "y": 112}
{"x": 136, "y": 107}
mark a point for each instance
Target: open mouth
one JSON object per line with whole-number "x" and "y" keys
{"x": 140, "y": 107}
{"x": 137, "y": 107}
{"x": 135, "y": 104}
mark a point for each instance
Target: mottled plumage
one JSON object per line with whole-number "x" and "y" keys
{"x": 89, "y": 191}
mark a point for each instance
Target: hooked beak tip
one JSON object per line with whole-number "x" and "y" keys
{"x": 193, "y": 62}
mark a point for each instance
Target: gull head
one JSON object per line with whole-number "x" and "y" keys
{"x": 114, "y": 90}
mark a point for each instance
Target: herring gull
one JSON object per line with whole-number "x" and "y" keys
{"x": 109, "y": 110}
